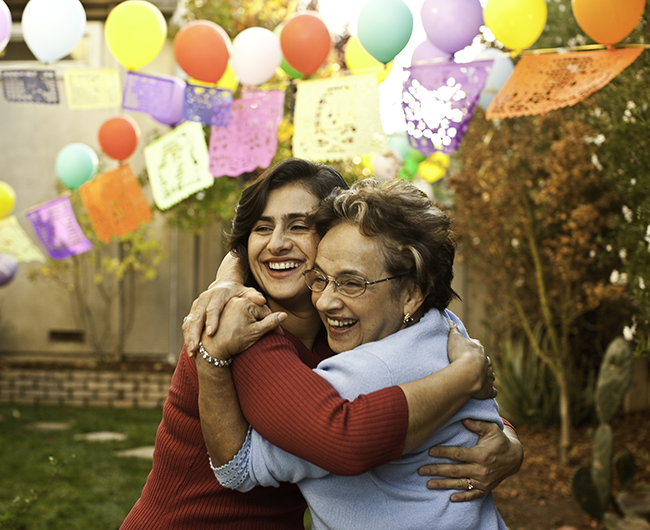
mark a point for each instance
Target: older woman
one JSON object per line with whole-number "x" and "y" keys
{"x": 283, "y": 399}
{"x": 381, "y": 283}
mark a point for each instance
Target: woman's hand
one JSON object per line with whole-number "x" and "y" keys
{"x": 497, "y": 455}
{"x": 207, "y": 308}
{"x": 243, "y": 323}
{"x": 471, "y": 351}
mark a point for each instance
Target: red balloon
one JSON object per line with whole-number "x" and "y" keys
{"x": 118, "y": 137}
{"x": 202, "y": 49}
{"x": 608, "y": 21}
{"x": 305, "y": 42}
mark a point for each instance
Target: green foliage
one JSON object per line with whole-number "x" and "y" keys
{"x": 68, "y": 484}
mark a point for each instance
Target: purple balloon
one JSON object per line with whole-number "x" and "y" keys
{"x": 425, "y": 53}
{"x": 172, "y": 114}
{"x": 451, "y": 25}
{"x": 8, "y": 268}
{"x": 5, "y": 25}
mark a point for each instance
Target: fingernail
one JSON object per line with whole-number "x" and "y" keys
{"x": 208, "y": 330}
{"x": 433, "y": 452}
{"x": 190, "y": 346}
{"x": 282, "y": 317}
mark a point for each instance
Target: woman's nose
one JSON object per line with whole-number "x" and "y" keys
{"x": 279, "y": 240}
{"x": 327, "y": 299}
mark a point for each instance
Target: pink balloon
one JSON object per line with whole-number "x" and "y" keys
{"x": 5, "y": 25}
{"x": 427, "y": 53}
{"x": 451, "y": 25}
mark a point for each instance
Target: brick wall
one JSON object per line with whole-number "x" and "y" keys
{"x": 83, "y": 388}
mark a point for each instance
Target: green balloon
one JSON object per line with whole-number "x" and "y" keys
{"x": 384, "y": 28}
{"x": 416, "y": 155}
{"x": 75, "y": 164}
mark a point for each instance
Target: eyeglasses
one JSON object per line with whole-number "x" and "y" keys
{"x": 348, "y": 284}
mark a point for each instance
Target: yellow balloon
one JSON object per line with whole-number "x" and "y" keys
{"x": 359, "y": 61}
{"x": 434, "y": 167}
{"x": 517, "y": 24}
{"x": 366, "y": 161}
{"x": 228, "y": 80}
{"x": 135, "y": 32}
{"x": 7, "y": 199}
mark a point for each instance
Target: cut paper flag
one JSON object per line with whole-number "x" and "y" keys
{"x": 177, "y": 164}
{"x": 92, "y": 89}
{"x": 57, "y": 229}
{"x": 115, "y": 203}
{"x": 207, "y": 105}
{"x": 541, "y": 83}
{"x": 250, "y": 140}
{"x": 147, "y": 93}
{"x": 14, "y": 240}
{"x": 439, "y": 100}
{"x": 30, "y": 86}
{"x": 337, "y": 119}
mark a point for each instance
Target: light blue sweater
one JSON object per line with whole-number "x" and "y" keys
{"x": 393, "y": 496}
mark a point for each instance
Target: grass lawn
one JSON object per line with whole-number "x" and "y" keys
{"x": 50, "y": 481}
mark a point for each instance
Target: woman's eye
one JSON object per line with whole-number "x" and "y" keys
{"x": 299, "y": 228}
{"x": 262, "y": 229}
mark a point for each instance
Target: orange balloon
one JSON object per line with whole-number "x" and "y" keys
{"x": 305, "y": 42}
{"x": 608, "y": 21}
{"x": 202, "y": 50}
{"x": 118, "y": 137}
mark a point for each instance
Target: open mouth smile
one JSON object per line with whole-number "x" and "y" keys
{"x": 283, "y": 266}
{"x": 342, "y": 323}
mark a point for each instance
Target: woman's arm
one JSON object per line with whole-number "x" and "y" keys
{"x": 497, "y": 455}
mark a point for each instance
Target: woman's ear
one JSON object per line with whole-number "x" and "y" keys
{"x": 413, "y": 299}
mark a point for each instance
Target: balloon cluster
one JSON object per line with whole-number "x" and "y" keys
{"x": 8, "y": 264}
{"x": 300, "y": 46}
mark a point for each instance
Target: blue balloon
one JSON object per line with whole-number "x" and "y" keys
{"x": 75, "y": 164}
{"x": 8, "y": 268}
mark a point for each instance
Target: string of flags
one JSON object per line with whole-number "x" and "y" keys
{"x": 334, "y": 118}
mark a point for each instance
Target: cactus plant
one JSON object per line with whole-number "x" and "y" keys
{"x": 593, "y": 489}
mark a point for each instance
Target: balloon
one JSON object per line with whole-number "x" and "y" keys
{"x": 427, "y": 53}
{"x": 228, "y": 80}
{"x": 172, "y": 114}
{"x": 384, "y": 28}
{"x": 399, "y": 143}
{"x": 361, "y": 62}
{"x": 202, "y": 49}
{"x": 451, "y": 25}
{"x": 502, "y": 68}
{"x": 434, "y": 167}
{"x": 605, "y": 21}
{"x": 5, "y": 25}
{"x": 118, "y": 137}
{"x": 385, "y": 167}
{"x": 53, "y": 28}
{"x": 8, "y": 268}
{"x": 7, "y": 199}
{"x": 305, "y": 42}
{"x": 284, "y": 65}
{"x": 517, "y": 24}
{"x": 255, "y": 55}
{"x": 135, "y": 32}
{"x": 416, "y": 155}
{"x": 75, "y": 164}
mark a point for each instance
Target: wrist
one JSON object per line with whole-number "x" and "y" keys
{"x": 220, "y": 363}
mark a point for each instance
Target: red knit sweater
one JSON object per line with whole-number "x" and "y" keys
{"x": 294, "y": 409}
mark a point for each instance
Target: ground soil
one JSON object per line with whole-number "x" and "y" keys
{"x": 539, "y": 497}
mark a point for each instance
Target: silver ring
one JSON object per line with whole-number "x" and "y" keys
{"x": 470, "y": 486}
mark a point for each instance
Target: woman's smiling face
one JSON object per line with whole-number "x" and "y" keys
{"x": 282, "y": 245}
{"x": 371, "y": 316}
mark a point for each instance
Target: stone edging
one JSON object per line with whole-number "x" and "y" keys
{"x": 84, "y": 388}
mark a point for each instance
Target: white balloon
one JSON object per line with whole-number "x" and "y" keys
{"x": 501, "y": 70}
{"x": 53, "y": 28}
{"x": 255, "y": 56}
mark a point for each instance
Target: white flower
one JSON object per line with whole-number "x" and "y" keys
{"x": 618, "y": 278}
{"x": 641, "y": 283}
{"x": 622, "y": 254}
{"x": 628, "y": 214}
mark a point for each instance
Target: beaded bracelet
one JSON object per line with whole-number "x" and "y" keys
{"x": 221, "y": 363}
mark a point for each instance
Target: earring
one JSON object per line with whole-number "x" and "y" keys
{"x": 407, "y": 319}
